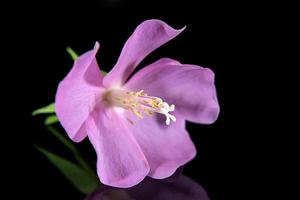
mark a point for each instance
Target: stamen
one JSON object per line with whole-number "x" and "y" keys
{"x": 139, "y": 103}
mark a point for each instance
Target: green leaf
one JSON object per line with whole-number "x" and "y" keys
{"x": 81, "y": 179}
{"x": 78, "y": 156}
{"x": 44, "y": 110}
{"x": 103, "y": 72}
{"x": 63, "y": 139}
{"x": 52, "y": 119}
{"x": 72, "y": 53}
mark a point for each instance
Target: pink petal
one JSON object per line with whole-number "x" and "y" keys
{"x": 166, "y": 147}
{"x": 77, "y": 94}
{"x": 121, "y": 162}
{"x": 147, "y": 37}
{"x": 189, "y": 87}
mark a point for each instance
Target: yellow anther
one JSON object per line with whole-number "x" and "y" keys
{"x": 137, "y": 113}
{"x": 156, "y": 103}
{"x": 148, "y": 112}
{"x": 139, "y": 103}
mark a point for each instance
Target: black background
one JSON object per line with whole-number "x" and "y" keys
{"x": 229, "y": 39}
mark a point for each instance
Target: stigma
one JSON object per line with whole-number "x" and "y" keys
{"x": 139, "y": 103}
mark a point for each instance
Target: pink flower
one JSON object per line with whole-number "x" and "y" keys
{"x": 137, "y": 126}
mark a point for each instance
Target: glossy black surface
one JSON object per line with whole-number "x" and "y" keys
{"x": 179, "y": 188}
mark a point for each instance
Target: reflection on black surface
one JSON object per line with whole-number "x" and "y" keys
{"x": 181, "y": 188}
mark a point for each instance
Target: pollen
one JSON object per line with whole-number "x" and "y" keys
{"x": 140, "y": 104}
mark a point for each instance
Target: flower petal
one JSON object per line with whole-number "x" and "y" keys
{"x": 77, "y": 94}
{"x": 189, "y": 87}
{"x": 166, "y": 147}
{"x": 147, "y": 37}
{"x": 121, "y": 162}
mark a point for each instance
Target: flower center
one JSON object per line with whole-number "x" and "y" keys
{"x": 140, "y": 103}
